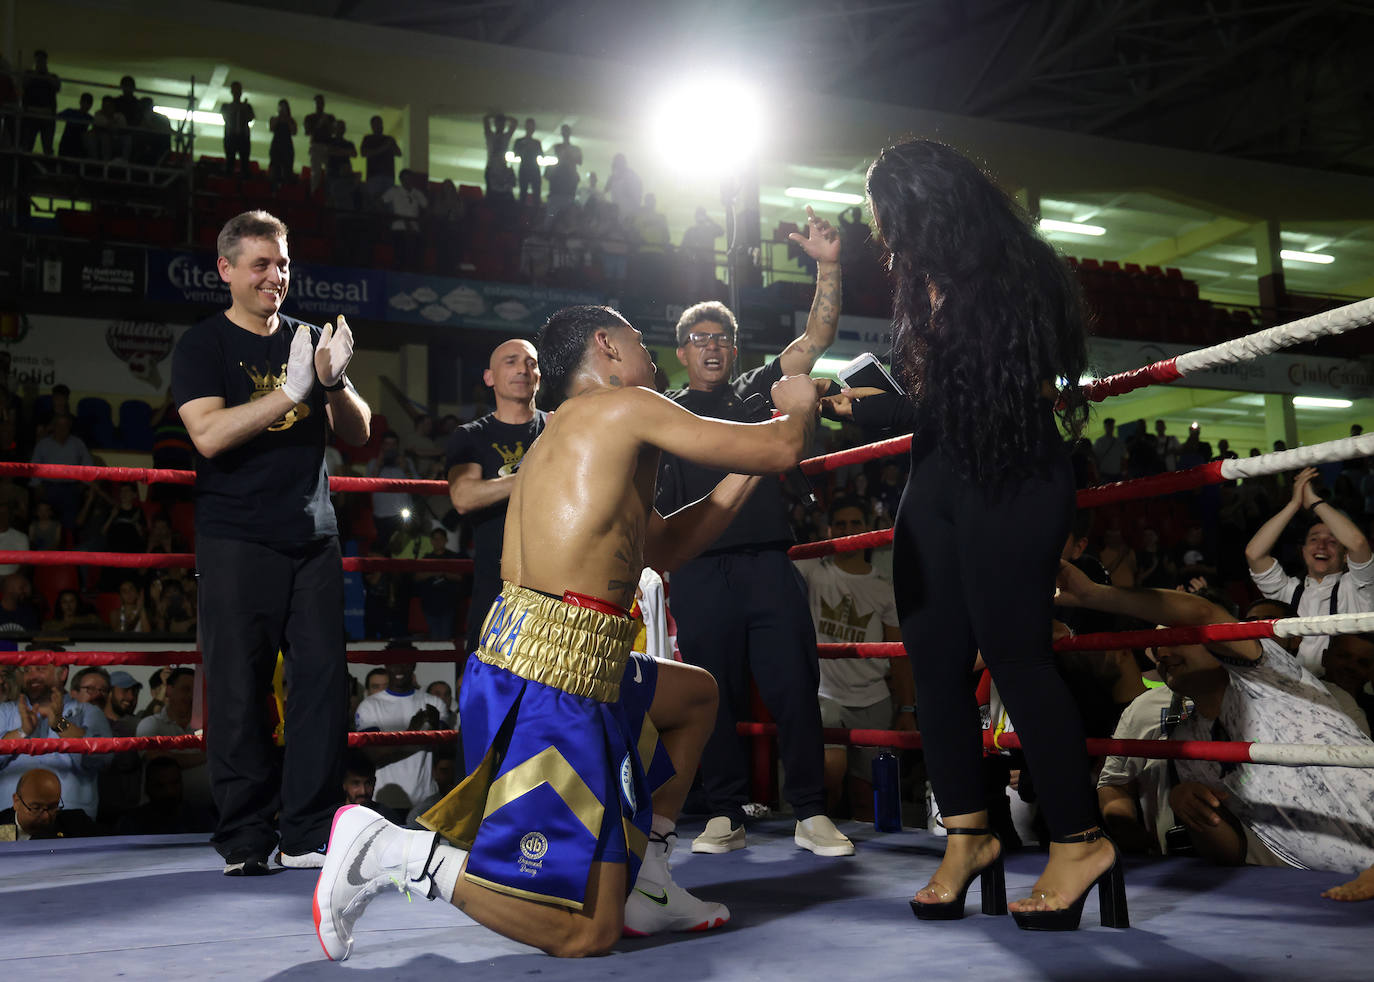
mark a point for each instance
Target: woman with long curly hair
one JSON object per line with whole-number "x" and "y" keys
{"x": 989, "y": 337}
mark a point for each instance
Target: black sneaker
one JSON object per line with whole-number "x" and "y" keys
{"x": 247, "y": 867}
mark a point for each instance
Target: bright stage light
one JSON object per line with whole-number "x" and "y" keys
{"x": 707, "y": 126}
{"x": 542, "y": 160}
{"x": 1316, "y": 402}
{"x": 199, "y": 116}
{"x": 1078, "y": 228}
{"x": 1294, "y": 256}
{"x": 816, "y": 194}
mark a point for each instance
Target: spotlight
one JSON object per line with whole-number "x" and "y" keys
{"x": 708, "y": 126}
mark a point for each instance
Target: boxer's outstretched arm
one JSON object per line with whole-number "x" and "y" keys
{"x": 681, "y": 536}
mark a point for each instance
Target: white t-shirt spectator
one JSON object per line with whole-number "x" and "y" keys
{"x": 1354, "y": 594}
{"x": 406, "y": 204}
{"x": 12, "y": 540}
{"x": 1309, "y": 817}
{"x": 401, "y": 783}
{"x": 1141, "y": 720}
{"x": 848, "y": 608}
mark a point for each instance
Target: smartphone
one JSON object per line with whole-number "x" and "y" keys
{"x": 866, "y": 371}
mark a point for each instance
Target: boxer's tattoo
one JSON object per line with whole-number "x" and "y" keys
{"x": 615, "y": 380}
{"x": 631, "y": 553}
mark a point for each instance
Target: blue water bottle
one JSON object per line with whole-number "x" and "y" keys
{"x": 887, "y": 793}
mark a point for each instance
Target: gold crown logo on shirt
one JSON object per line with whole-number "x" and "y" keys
{"x": 265, "y": 383}
{"x": 510, "y": 457}
{"x": 845, "y": 613}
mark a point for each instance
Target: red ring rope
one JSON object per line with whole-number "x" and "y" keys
{"x": 187, "y": 560}
{"x": 191, "y": 741}
{"x": 152, "y": 475}
{"x": 373, "y": 656}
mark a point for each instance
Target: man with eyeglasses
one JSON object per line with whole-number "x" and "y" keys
{"x": 741, "y": 607}
{"x": 92, "y": 685}
{"x": 44, "y": 709}
{"x": 38, "y": 813}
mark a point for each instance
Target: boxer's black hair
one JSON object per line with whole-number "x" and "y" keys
{"x": 562, "y": 344}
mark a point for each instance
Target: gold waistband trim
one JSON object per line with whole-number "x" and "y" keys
{"x": 540, "y": 638}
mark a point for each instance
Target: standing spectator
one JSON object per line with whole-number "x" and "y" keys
{"x": 852, "y": 602}
{"x": 156, "y": 137}
{"x": 126, "y": 530}
{"x": 624, "y": 187}
{"x": 43, "y": 709}
{"x": 281, "y": 154}
{"x": 76, "y": 128}
{"x": 482, "y": 459}
{"x": 407, "y": 203}
{"x": 528, "y": 149}
{"x": 438, "y": 592}
{"x": 566, "y": 151}
{"x": 740, "y": 607}
{"x": 404, "y": 774}
{"x": 319, "y": 130}
{"x": 267, "y": 546}
{"x": 1166, "y": 446}
{"x": 699, "y": 254}
{"x": 107, "y": 130}
{"x": 498, "y": 134}
{"x": 1339, "y": 574}
{"x": 62, "y": 447}
{"x": 11, "y": 540}
{"x": 563, "y": 178}
{"x": 380, "y": 151}
{"x": 340, "y": 167}
{"x": 1110, "y": 451}
{"x": 238, "y": 115}
{"x": 390, "y": 509}
{"x": 40, "y": 104}
{"x": 127, "y": 104}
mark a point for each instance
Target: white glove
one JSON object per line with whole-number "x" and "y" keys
{"x": 333, "y": 352}
{"x": 300, "y": 373}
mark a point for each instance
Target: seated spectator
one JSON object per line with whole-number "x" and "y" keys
{"x": 1266, "y": 609}
{"x": 166, "y": 811}
{"x": 121, "y": 783}
{"x": 360, "y": 781}
{"x": 131, "y": 616}
{"x": 442, "y": 691}
{"x": 38, "y": 812}
{"x": 381, "y": 614}
{"x": 156, "y": 138}
{"x": 16, "y": 605}
{"x": 174, "y": 719}
{"x": 173, "y": 611}
{"x": 71, "y": 613}
{"x": 11, "y": 540}
{"x": 1193, "y": 557}
{"x": 407, "y": 202}
{"x": 404, "y": 774}
{"x": 1349, "y": 664}
{"x": 388, "y": 506}
{"x": 157, "y": 690}
{"x": 126, "y": 530}
{"x": 15, "y": 497}
{"x": 92, "y": 685}
{"x": 1117, "y": 557}
{"x": 45, "y": 532}
{"x": 1133, "y": 792}
{"x": 1310, "y": 817}
{"x": 375, "y": 681}
{"x": 445, "y": 779}
{"x": 96, "y": 508}
{"x": 43, "y": 709}
{"x": 76, "y": 128}
{"x": 852, "y": 602}
{"x": 1154, "y": 566}
{"x": 1338, "y": 562}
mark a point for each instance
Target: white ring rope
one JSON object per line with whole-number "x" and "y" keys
{"x": 1333, "y": 624}
{"x": 1346, "y": 448}
{"x": 1311, "y": 755}
{"x": 1272, "y": 339}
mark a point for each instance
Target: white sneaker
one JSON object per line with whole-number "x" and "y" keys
{"x": 819, "y": 835}
{"x": 306, "y": 860}
{"x": 719, "y": 837}
{"x": 366, "y": 855}
{"x": 658, "y": 904}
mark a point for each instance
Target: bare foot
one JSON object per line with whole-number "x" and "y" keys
{"x": 1360, "y": 888}
{"x": 963, "y": 855}
{"x": 1072, "y": 869}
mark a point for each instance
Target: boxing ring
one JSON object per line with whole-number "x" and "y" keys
{"x": 157, "y": 907}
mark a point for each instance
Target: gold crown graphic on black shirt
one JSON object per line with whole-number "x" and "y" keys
{"x": 265, "y": 382}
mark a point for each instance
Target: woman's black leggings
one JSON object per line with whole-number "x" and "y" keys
{"x": 974, "y": 571}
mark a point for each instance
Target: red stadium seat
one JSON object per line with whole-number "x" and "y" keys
{"x": 49, "y": 581}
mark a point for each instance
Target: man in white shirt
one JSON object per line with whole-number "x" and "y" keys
{"x": 11, "y": 540}
{"x": 1339, "y": 562}
{"x": 852, "y": 602}
{"x": 404, "y": 774}
{"x": 1309, "y": 817}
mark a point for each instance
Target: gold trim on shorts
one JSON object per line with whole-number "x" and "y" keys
{"x": 581, "y": 651}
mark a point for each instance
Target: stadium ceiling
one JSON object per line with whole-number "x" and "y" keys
{"x": 1285, "y": 82}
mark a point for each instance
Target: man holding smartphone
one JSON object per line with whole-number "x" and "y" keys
{"x": 741, "y": 607}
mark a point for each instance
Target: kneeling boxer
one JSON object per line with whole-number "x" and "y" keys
{"x": 580, "y": 756}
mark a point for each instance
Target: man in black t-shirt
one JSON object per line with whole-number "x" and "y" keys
{"x": 267, "y": 549}
{"x": 741, "y": 607}
{"x": 482, "y": 458}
